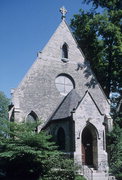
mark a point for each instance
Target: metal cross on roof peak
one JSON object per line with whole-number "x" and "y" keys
{"x": 63, "y": 12}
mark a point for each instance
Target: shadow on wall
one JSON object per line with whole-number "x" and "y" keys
{"x": 88, "y": 74}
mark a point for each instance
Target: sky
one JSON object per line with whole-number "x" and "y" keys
{"x": 25, "y": 28}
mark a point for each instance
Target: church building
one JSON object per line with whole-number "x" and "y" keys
{"x": 61, "y": 90}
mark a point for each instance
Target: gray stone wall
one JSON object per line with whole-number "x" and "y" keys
{"x": 87, "y": 113}
{"x": 68, "y": 128}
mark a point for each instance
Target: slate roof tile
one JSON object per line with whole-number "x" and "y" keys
{"x": 69, "y": 103}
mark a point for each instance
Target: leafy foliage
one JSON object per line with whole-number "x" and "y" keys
{"x": 64, "y": 170}
{"x": 114, "y": 140}
{"x": 99, "y": 36}
{"x": 4, "y": 102}
{"x": 25, "y": 154}
{"x": 115, "y": 150}
{"x": 110, "y": 5}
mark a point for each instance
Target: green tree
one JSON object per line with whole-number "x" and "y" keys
{"x": 115, "y": 150}
{"x": 110, "y": 5}
{"x": 27, "y": 155}
{"x": 114, "y": 139}
{"x": 99, "y": 36}
{"x": 4, "y": 103}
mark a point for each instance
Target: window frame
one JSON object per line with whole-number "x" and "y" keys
{"x": 67, "y": 83}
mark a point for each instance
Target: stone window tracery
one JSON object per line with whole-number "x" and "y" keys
{"x": 64, "y": 83}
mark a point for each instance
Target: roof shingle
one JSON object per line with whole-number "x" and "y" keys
{"x": 69, "y": 103}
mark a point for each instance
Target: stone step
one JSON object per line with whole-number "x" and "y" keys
{"x": 93, "y": 174}
{"x": 99, "y": 176}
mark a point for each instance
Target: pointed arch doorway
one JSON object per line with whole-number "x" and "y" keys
{"x": 89, "y": 146}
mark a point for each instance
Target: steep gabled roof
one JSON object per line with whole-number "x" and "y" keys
{"x": 62, "y": 35}
{"x": 69, "y": 103}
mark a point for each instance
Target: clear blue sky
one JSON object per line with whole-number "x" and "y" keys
{"x": 25, "y": 28}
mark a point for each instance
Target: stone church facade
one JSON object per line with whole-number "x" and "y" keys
{"x": 61, "y": 89}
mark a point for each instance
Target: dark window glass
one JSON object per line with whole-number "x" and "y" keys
{"x": 61, "y": 139}
{"x": 64, "y": 51}
{"x": 32, "y": 118}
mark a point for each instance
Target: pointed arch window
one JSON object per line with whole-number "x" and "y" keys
{"x": 61, "y": 138}
{"x": 32, "y": 118}
{"x": 65, "y": 51}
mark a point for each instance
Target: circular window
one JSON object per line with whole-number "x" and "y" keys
{"x": 64, "y": 83}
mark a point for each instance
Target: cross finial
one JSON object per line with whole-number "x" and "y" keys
{"x": 63, "y": 12}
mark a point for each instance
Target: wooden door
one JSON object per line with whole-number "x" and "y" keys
{"x": 83, "y": 155}
{"x": 87, "y": 147}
